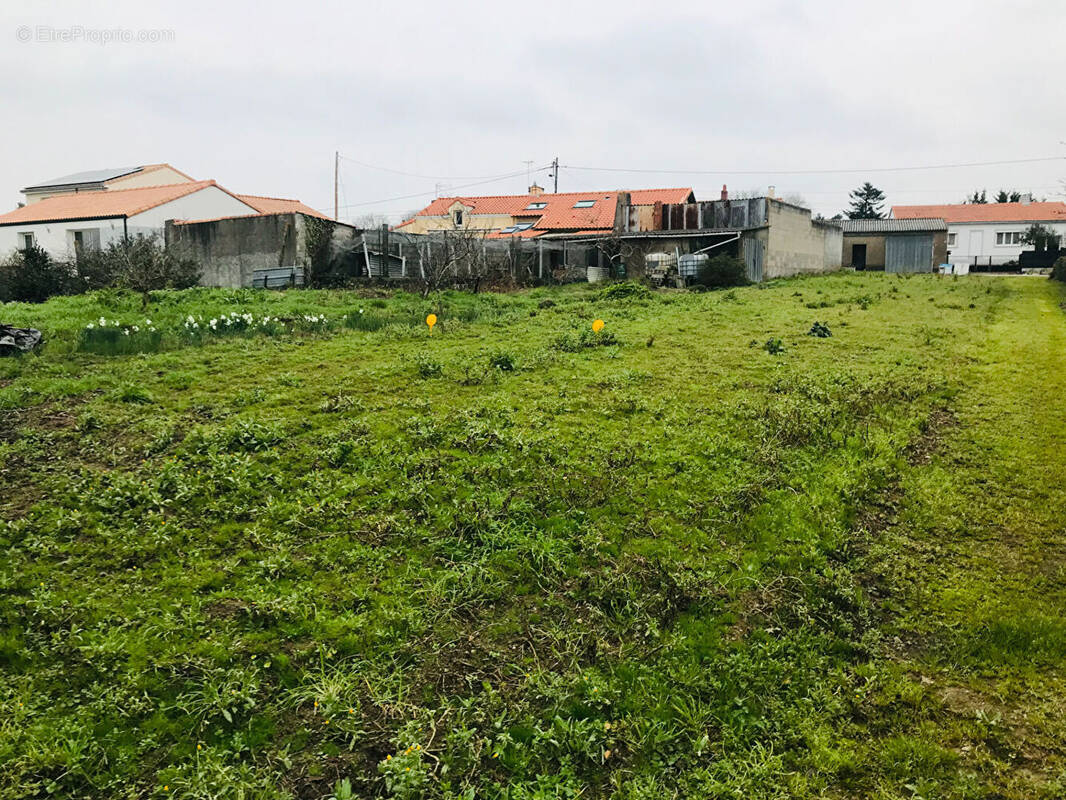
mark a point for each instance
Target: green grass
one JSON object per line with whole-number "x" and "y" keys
{"x": 515, "y": 559}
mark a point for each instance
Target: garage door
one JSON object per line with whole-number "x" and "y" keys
{"x": 912, "y": 253}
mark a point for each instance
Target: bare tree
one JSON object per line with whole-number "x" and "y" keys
{"x": 447, "y": 256}
{"x": 369, "y": 222}
{"x": 618, "y": 251}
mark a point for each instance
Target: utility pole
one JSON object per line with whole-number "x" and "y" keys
{"x": 555, "y": 173}
{"x": 336, "y": 176}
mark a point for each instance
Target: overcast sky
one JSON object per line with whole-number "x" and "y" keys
{"x": 259, "y": 95}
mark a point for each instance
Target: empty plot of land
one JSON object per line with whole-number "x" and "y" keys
{"x": 284, "y": 544}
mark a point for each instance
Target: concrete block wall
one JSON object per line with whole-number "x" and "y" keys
{"x": 229, "y": 250}
{"x": 797, "y": 244}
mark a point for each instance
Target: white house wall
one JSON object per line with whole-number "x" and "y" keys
{"x": 55, "y": 237}
{"x": 978, "y": 239}
{"x": 208, "y": 203}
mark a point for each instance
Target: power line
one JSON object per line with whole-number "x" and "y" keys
{"x": 417, "y": 175}
{"x": 812, "y": 171}
{"x": 431, "y": 191}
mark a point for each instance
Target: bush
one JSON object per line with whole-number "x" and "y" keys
{"x": 32, "y": 276}
{"x": 721, "y": 271}
{"x": 1058, "y": 270}
{"x": 820, "y": 330}
{"x": 616, "y": 291}
{"x": 143, "y": 265}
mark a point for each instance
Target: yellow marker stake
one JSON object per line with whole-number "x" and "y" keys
{"x": 431, "y": 320}
{"x": 597, "y": 326}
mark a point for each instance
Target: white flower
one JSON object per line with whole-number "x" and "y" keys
{"x": 360, "y": 311}
{"x": 103, "y": 322}
{"x": 89, "y": 326}
{"x": 136, "y": 329}
{"x": 126, "y": 332}
{"x": 148, "y": 322}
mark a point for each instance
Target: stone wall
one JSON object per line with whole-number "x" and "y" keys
{"x": 229, "y": 250}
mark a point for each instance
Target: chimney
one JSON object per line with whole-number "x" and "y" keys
{"x": 770, "y": 191}
{"x": 536, "y": 190}
{"x": 725, "y": 192}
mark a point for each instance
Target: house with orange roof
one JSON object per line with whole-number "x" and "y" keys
{"x": 89, "y": 210}
{"x": 538, "y": 213}
{"x": 63, "y": 224}
{"x": 984, "y": 236}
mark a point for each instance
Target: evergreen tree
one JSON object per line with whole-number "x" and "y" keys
{"x": 867, "y": 202}
{"x": 978, "y": 197}
{"x": 1003, "y": 196}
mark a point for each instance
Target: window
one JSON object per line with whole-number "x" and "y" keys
{"x": 510, "y": 229}
{"x": 523, "y": 226}
{"x": 85, "y": 240}
{"x": 457, "y": 217}
{"x": 26, "y": 241}
{"x": 536, "y": 206}
{"x": 1008, "y": 238}
{"x": 584, "y": 204}
{"x": 951, "y": 239}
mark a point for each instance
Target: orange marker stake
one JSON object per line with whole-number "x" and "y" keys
{"x": 431, "y": 320}
{"x": 597, "y": 326}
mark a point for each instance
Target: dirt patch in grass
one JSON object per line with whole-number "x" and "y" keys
{"x": 922, "y": 449}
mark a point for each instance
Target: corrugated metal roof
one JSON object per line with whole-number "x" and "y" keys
{"x": 918, "y": 224}
{"x": 79, "y": 178}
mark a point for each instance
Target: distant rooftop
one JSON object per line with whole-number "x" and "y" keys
{"x": 987, "y": 212}
{"x": 90, "y": 177}
{"x": 916, "y": 224}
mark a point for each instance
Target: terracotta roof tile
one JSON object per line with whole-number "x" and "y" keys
{"x": 558, "y": 212}
{"x": 279, "y": 205}
{"x": 96, "y": 205}
{"x": 986, "y": 212}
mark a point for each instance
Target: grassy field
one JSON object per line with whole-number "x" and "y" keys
{"x": 315, "y": 551}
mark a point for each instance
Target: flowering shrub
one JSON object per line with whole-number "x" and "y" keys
{"x": 197, "y": 328}
{"x": 112, "y": 337}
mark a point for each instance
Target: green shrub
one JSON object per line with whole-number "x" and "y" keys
{"x": 721, "y": 271}
{"x": 32, "y": 276}
{"x": 110, "y": 338}
{"x": 1058, "y": 270}
{"x": 616, "y": 291}
{"x": 820, "y": 330}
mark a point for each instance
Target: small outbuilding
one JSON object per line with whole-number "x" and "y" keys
{"x": 895, "y": 245}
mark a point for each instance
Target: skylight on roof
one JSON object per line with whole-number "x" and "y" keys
{"x": 523, "y": 226}
{"x": 509, "y": 229}
{"x": 584, "y": 204}
{"x": 536, "y": 206}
